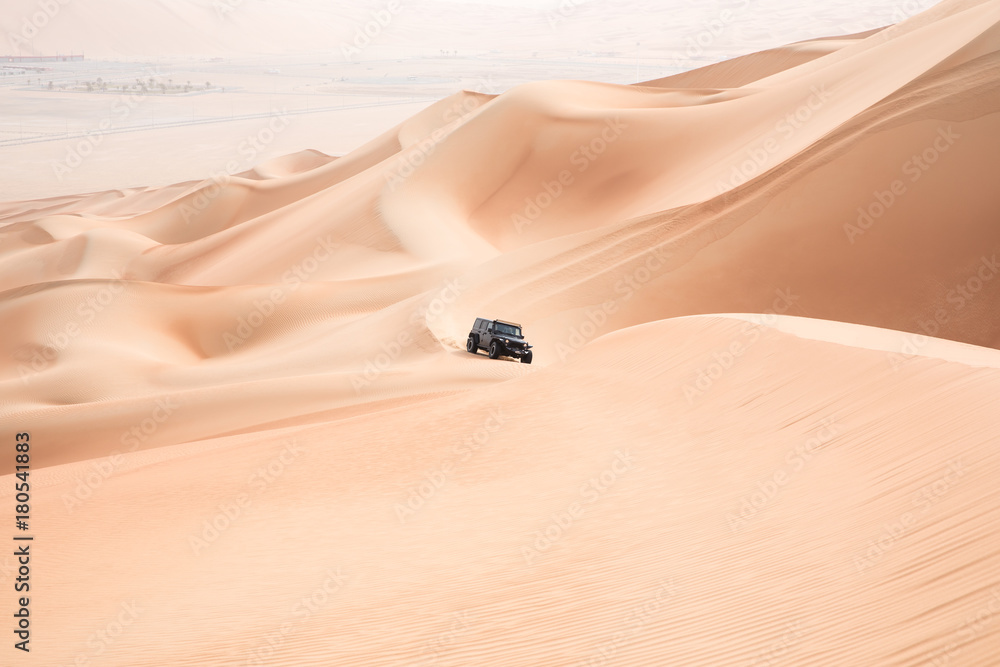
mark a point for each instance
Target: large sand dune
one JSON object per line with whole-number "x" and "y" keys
{"x": 259, "y": 438}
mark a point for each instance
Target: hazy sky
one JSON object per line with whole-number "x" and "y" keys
{"x": 130, "y": 28}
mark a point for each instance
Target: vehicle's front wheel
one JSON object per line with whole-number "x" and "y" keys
{"x": 494, "y": 350}
{"x": 471, "y": 346}
{"x": 526, "y": 359}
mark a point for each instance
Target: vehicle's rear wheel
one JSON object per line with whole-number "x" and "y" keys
{"x": 526, "y": 359}
{"x": 472, "y": 345}
{"x": 494, "y": 350}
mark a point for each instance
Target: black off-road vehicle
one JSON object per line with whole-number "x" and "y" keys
{"x": 501, "y": 339}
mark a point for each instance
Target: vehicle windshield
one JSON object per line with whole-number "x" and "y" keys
{"x": 507, "y": 330}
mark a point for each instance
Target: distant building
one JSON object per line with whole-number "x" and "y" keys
{"x": 41, "y": 59}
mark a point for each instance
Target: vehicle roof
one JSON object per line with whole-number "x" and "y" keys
{"x": 513, "y": 324}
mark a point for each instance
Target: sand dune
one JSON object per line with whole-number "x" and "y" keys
{"x": 683, "y": 530}
{"x": 758, "y": 428}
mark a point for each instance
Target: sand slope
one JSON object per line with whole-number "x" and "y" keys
{"x": 254, "y": 388}
{"x": 682, "y": 532}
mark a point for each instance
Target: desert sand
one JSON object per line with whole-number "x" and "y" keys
{"x": 760, "y": 427}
